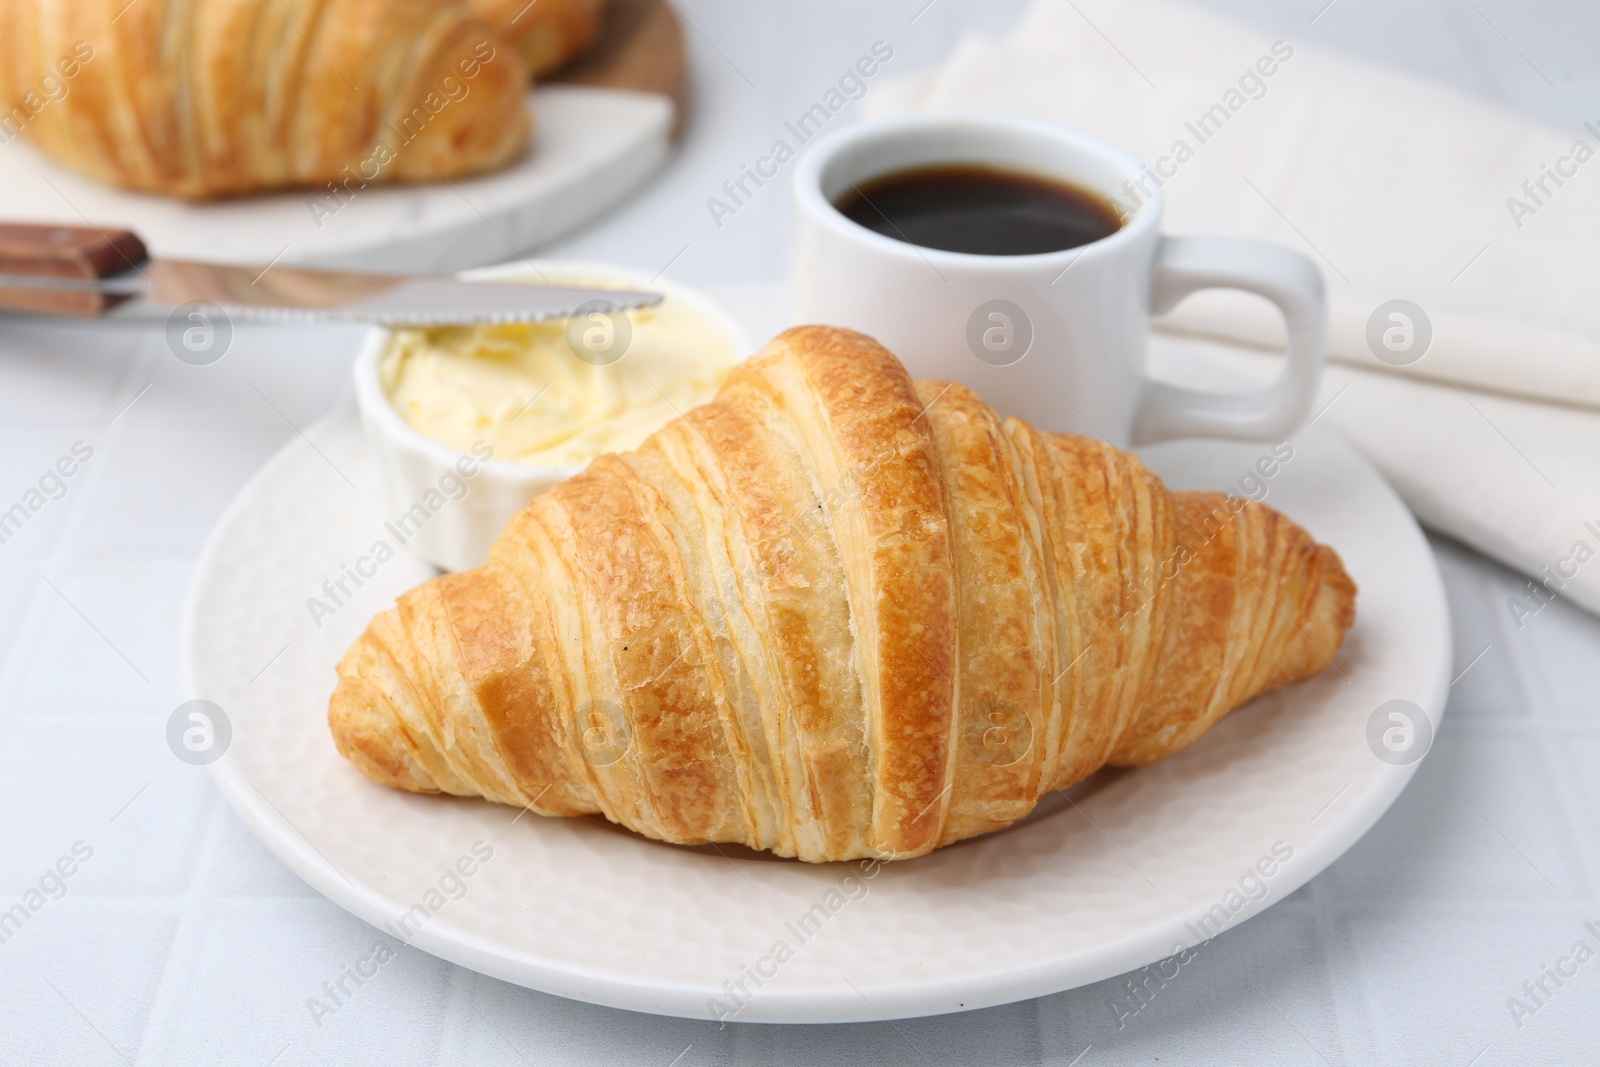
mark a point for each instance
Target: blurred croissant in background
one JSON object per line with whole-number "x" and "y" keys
{"x": 546, "y": 33}
{"x": 214, "y": 98}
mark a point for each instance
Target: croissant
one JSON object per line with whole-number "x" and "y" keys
{"x": 836, "y": 613}
{"x": 546, "y": 33}
{"x": 209, "y": 98}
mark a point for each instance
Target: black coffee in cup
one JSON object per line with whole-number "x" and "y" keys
{"x": 980, "y": 210}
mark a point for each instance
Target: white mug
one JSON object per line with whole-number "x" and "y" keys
{"x": 1055, "y": 338}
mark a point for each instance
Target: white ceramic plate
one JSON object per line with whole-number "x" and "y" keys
{"x": 1139, "y": 863}
{"x": 591, "y": 147}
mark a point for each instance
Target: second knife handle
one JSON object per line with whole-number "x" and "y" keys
{"x": 81, "y": 253}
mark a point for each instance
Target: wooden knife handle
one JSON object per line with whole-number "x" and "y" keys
{"x": 80, "y": 252}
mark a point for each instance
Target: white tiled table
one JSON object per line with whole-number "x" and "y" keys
{"x": 181, "y": 940}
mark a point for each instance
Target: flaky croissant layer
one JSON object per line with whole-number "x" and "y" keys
{"x": 209, "y": 98}
{"x": 836, "y": 613}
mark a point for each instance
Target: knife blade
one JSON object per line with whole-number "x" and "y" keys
{"x": 66, "y": 270}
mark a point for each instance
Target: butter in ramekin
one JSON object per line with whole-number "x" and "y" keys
{"x": 524, "y": 390}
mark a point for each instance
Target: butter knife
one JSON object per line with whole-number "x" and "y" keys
{"x": 83, "y": 272}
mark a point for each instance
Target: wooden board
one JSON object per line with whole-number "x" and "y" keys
{"x": 641, "y": 49}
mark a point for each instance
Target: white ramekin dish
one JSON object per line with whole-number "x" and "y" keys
{"x": 457, "y": 535}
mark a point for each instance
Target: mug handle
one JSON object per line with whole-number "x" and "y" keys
{"x": 1185, "y": 265}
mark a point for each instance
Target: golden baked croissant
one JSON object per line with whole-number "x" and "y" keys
{"x": 835, "y": 614}
{"x": 207, "y": 98}
{"x": 546, "y": 33}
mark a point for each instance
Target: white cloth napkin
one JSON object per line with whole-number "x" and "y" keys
{"x": 1399, "y": 189}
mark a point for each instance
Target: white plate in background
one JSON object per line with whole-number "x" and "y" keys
{"x": 590, "y": 148}
{"x": 1081, "y": 892}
